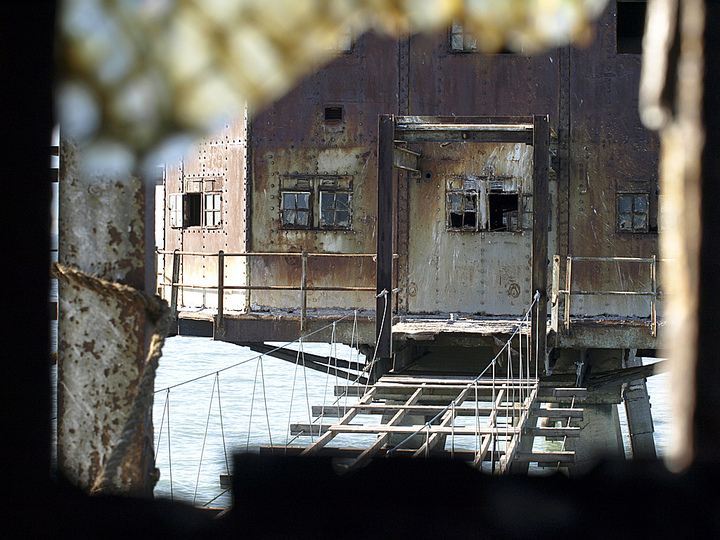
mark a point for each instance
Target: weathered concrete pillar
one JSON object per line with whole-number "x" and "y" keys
{"x": 105, "y": 330}
{"x": 600, "y": 437}
{"x": 637, "y": 410}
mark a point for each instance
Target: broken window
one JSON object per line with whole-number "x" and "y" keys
{"x": 503, "y": 212}
{"x": 334, "y": 210}
{"x": 487, "y": 203}
{"x": 196, "y": 208}
{"x": 630, "y": 25}
{"x": 296, "y": 209}
{"x": 185, "y": 210}
{"x": 462, "y": 210}
{"x": 632, "y": 212}
{"x": 462, "y": 40}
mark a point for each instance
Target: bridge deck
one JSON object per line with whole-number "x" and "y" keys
{"x": 480, "y": 420}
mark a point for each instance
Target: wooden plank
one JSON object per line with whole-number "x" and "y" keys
{"x": 333, "y": 411}
{"x": 327, "y": 437}
{"x": 545, "y": 457}
{"x": 512, "y": 447}
{"x": 485, "y": 446}
{"x": 411, "y": 429}
{"x": 384, "y": 437}
{"x": 448, "y": 416}
{"x": 554, "y": 431}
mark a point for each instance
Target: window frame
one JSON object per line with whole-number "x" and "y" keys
{"x": 457, "y": 28}
{"x": 296, "y": 191}
{"x": 333, "y": 191}
{"x": 632, "y": 213}
{"x": 448, "y": 210}
{"x": 315, "y": 185}
{"x": 483, "y": 189}
{"x": 179, "y": 206}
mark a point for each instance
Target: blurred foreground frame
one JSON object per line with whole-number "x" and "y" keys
{"x": 690, "y": 174}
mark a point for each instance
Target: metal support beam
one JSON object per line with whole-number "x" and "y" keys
{"x": 637, "y": 410}
{"x": 541, "y": 211}
{"x": 386, "y": 203}
{"x": 220, "y": 320}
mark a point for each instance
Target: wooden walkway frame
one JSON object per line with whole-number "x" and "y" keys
{"x": 504, "y": 421}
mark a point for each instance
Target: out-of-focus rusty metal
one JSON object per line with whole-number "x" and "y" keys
{"x": 145, "y": 72}
{"x": 102, "y": 340}
{"x": 672, "y": 99}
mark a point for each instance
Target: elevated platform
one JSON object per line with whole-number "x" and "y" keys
{"x": 602, "y": 332}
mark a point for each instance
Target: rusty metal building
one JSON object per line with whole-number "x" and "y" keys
{"x": 290, "y": 196}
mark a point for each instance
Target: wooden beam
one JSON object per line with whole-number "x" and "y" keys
{"x": 327, "y": 437}
{"x": 383, "y": 438}
{"x": 448, "y": 417}
{"x": 512, "y": 447}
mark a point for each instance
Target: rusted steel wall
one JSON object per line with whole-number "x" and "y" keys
{"x": 610, "y": 152}
{"x": 600, "y": 149}
{"x": 473, "y": 272}
{"x": 293, "y": 144}
{"x": 216, "y": 165}
{"x": 468, "y": 271}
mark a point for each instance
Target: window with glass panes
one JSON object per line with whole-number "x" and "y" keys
{"x": 296, "y": 209}
{"x": 211, "y": 209}
{"x": 462, "y": 210}
{"x": 461, "y": 40}
{"x": 334, "y": 209}
{"x": 632, "y": 212}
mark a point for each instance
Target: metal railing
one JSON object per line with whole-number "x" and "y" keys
{"x": 221, "y": 287}
{"x": 568, "y": 292}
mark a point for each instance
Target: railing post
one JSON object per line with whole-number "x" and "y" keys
{"x": 568, "y": 281}
{"x": 653, "y": 298}
{"x": 174, "y": 282}
{"x": 219, "y": 321}
{"x": 303, "y": 293}
{"x": 555, "y": 301}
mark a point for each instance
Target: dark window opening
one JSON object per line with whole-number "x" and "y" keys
{"x": 632, "y": 212}
{"x": 503, "y": 212}
{"x": 630, "y": 25}
{"x": 462, "y": 211}
{"x": 334, "y": 210}
{"x": 192, "y": 210}
{"x": 333, "y": 115}
{"x": 296, "y": 209}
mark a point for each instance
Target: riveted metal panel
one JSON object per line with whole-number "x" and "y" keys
{"x": 609, "y": 151}
{"x": 473, "y": 84}
{"x": 463, "y": 271}
{"x": 293, "y": 139}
